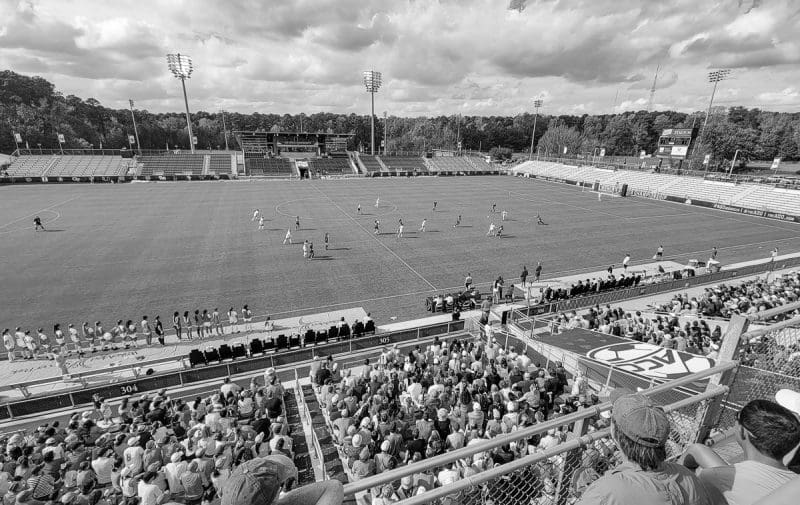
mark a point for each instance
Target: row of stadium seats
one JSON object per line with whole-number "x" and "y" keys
{"x": 338, "y": 165}
{"x": 173, "y": 164}
{"x": 404, "y": 163}
{"x": 68, "y": 166}
{"x": 219, "y": 163}
{"x": 269, "y": 166}
{"x": 754, "y": 196}
{"x": 457, "y": 164}
{"x": 371, "y": 163}
{"x": 259, "y": 347}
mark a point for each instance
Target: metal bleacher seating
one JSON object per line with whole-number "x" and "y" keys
{"x": 81, "y": 166}
{"x": 404, "y": 163}
{"x": 479, "y": 164}
{"x": 173, "y": 164}
{"x": 30, "y": 166}
{"x": 449, "y": 164}
{"x": 269, "y": 166}
{"x": 371, "y": 163}
{"x": 219, "y": 164}
{"x": 336, "y": 165}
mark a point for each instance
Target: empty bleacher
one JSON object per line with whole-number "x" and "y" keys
{"x": 371, "y": 163}
{"x": 173, "y": 164}
{"x": 269, "y": 167}
{"x": 30, "y": 166}
{"x": 449, "y": 164}
{"x": 480, "y": 164}
{"x": 336, "y": 165}
{"x": 404, "y": 163}
{"x": 219, "y": 164}
{"x": 82, "y": 166}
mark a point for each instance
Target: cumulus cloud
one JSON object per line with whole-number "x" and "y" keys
{"x": 437, "y": 57}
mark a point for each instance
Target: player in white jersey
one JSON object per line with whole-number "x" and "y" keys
{"x": 8, "y": 343}
{"x": 504, "y": 215}
{"x": 256, "y": 213}
{"x": 358, "y": 209}
{"x": 377, "y": 202}
{"x": 422, "y": 226}
{"x": 261, "y": 223}
{"x": 400, "y": 230}
{"x": 288, "y": 238}
{"x": 625, "y": 262}
{"x": 491, "y": 232}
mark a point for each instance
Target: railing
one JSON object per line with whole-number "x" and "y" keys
{"x": 306, "y": 416}
{"x": 680, "y": 437}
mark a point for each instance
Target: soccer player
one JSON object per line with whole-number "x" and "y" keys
{"x": 176, "y": 324}
{"x": 625, "y": 261}
{"x": 494, "y": 208}
{"x": 305, "y": 249}
{"x": 255, "y": 214}
{"x": 147, "y": 330}
{"x": 261, "y": 223}
{"x": 422, "y": 226}
{"x": 491, "y": 231}
{"x": 327, "y": 240}
{"x": 297, "y": 222}
{"x": 358, "y": 209}
{"x": 378, "y": 202}
{"x": 187, "y": 323}
{"x": 37, "y": 224}
{"x": 311, "y": 250}
{"x": 8, "y": 343}
{"x": 539, "y": 219}
{"x": 158, "y": 327}
{"x": 217, "y": 322}
{"x": 458, "y": 221}
{"x": 377, "y": 227}
{"x": 400, "y": 230}
{"x": 434, "y": 205}
{"x": 499, "y": 231}
{"x": 288, "y": 237}
{"x": 504, "y": 214}
{"x": 247, "y": 316}
{"x": 233, "y": 319}
{"x": 599, "y": 196}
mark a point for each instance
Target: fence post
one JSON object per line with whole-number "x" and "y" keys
{"x": 729, "y": 349}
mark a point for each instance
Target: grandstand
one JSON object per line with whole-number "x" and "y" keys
{"x": 331, "y": 166}
{"x": 220, "y": 163}
{"x": 276, "y": 167}
{"x": 457, "y": 164}
{"x": 173, "y": 164}
{"x": 656, "y": 185}
{"x": 371, "y": 163}
{"x": 31, "y": 166}
{"x": 69, "y": 166}
{"x": 404, "y": 163}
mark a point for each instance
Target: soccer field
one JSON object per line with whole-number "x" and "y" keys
{"x": 121, "y": 251}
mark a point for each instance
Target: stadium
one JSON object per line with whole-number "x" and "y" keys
{"x": 495, "y": 307}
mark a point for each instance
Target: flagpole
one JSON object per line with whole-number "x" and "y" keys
{"x": 135, "y": 130}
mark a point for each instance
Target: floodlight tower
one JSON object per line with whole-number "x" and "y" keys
{"x": 181, "y": 67}
{"x": 536, "y": 104}
{"x": 716, "y": 76}
{"x": 372, "y": 81}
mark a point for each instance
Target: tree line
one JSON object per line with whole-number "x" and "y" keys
{"x": 32, "y": 107}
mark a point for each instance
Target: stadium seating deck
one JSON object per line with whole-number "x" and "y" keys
{"x": 219, "y": 164}
{"x": 449, "y": 164}
{"x": 337, "y": 165}
{"x": 404, "y": 163}
{"x": 269, "y": 166}
{"x": 173, "y": 164}
{"x": 479, "y": 163}
{"x": 69, "y": 166}
{"x": 30, "y": 166}
{"x": 371, "y": 163}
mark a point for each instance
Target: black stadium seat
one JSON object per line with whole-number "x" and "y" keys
{"x": 225, "y": 352}
{"x": 310, "y": 337}
{"x": 239, "y": 351}
{"x": 369, "y": 327}
{"x": 344, "y": 332}
{"x": 294, "y": 341}
{"x": 282, "y": 342}
{"x": 256, "y": 347}
{"x": 211, "y": 354}
{"x": 269, "y": 344}
{"x": 196, "y": 358}
{"x": 358, "y": 329}
{"x": 333, "y": 333}
{"x": 322, "y": 336}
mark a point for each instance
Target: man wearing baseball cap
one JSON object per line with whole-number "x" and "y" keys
{"x": 641, "y": 430}
{"x": 260, "y": 482}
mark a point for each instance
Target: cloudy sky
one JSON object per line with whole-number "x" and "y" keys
{"x": 437, "y": 56}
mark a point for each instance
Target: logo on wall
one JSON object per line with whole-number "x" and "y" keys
{"x": 650, "y": 360}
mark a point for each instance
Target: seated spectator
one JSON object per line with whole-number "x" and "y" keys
{"x": 767, "y": 432}
{"x": 645, "y": 477}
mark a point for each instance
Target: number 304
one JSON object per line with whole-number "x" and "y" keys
{"x": 128, "y": 389}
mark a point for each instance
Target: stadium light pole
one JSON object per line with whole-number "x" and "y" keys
{"x": 385, "y": 129}
{"x": 224, "y": 129}
{"x": 135, "y": 130}
{"x": 714, "y": 77}
{"x": 181, "y": 67}
{"x": 372, "y": 81}
{"x": 536, "y": 104}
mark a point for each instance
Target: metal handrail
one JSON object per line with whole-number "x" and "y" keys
{"x": 444, "y": 459}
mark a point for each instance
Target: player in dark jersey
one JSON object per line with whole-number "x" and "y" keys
{"x": 37, "y": 224}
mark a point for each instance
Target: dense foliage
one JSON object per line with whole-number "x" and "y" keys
{"x": 32, "y": 107}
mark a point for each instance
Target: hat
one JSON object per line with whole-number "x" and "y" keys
{"x": 385, "y": 446}
{"x": 789, "y": 399}
{"x": 133, "y": 441}
{"x": 357, "y": 440}
{"x": 176, "y": 457}
{"x": 69, "y": 497}
{"x": 639, "y": 419}
{"x": 258, "y": 480}
{"x": 476, "y": 406}
{"x": 49, "y": 441}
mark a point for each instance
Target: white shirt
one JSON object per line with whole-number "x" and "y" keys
{"x": 746, "y": 482}
{"x": 149, "y": 493}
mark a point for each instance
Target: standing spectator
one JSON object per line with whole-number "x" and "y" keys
{"x": 523, "y": 277}
{"x": 176, "y": 324}
{"x": 158, "y": 328}
{"x": 537, "y": 273}
{"x": 641, "y": 430}
{"x": 147, "y": 330}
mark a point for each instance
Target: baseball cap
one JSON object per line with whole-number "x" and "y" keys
{"x": 639, "y": 419}
{"x": 258, "y": 481}
{"x": 789, "y": 399}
